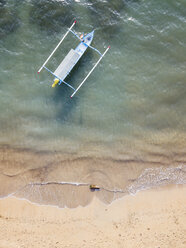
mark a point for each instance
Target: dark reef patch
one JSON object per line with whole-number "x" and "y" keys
{"x": 9, "y": 20}
{"x": 51, "y": 15}
{"x": 106, "y": 16}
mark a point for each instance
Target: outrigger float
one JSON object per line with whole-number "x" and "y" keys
{"x": 72, "y": 58}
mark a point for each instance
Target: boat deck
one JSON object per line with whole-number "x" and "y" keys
{"x": 67, "y": 64}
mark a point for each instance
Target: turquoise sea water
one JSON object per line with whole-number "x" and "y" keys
{"x": 132, "y": 108}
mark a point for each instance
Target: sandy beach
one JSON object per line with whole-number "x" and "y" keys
{"x": 153, "y": 218}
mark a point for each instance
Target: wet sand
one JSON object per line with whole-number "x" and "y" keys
{"x": 61, "y": 179}
{"x": 152, "y": 218}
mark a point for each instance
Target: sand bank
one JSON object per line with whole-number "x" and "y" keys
{"x": 153, "y": 218}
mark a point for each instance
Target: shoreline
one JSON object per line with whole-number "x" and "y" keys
{"x": 155, "y": 217}
{"x": 52, "y": 178}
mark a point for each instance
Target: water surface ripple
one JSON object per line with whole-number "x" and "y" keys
{"x": 125, "y": 129}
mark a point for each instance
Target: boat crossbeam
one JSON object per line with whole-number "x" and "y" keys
{"x": 77, "y": 36}
{"x": 60, "y": 80}
{"x": 90, "y": 71}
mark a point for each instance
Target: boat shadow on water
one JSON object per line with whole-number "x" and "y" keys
{"x": 65, "y": 104}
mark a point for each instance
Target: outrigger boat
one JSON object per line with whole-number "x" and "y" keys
{"x": 72, "y": 58}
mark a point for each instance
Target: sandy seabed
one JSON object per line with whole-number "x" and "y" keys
{"x": 152, "y": 218}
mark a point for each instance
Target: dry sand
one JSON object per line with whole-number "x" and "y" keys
{"x": 153, "y": 218}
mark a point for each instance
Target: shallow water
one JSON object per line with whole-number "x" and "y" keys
{"x": 128, "y": 118}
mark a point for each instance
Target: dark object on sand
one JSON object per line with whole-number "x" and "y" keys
{"x": 94, "y": 187}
